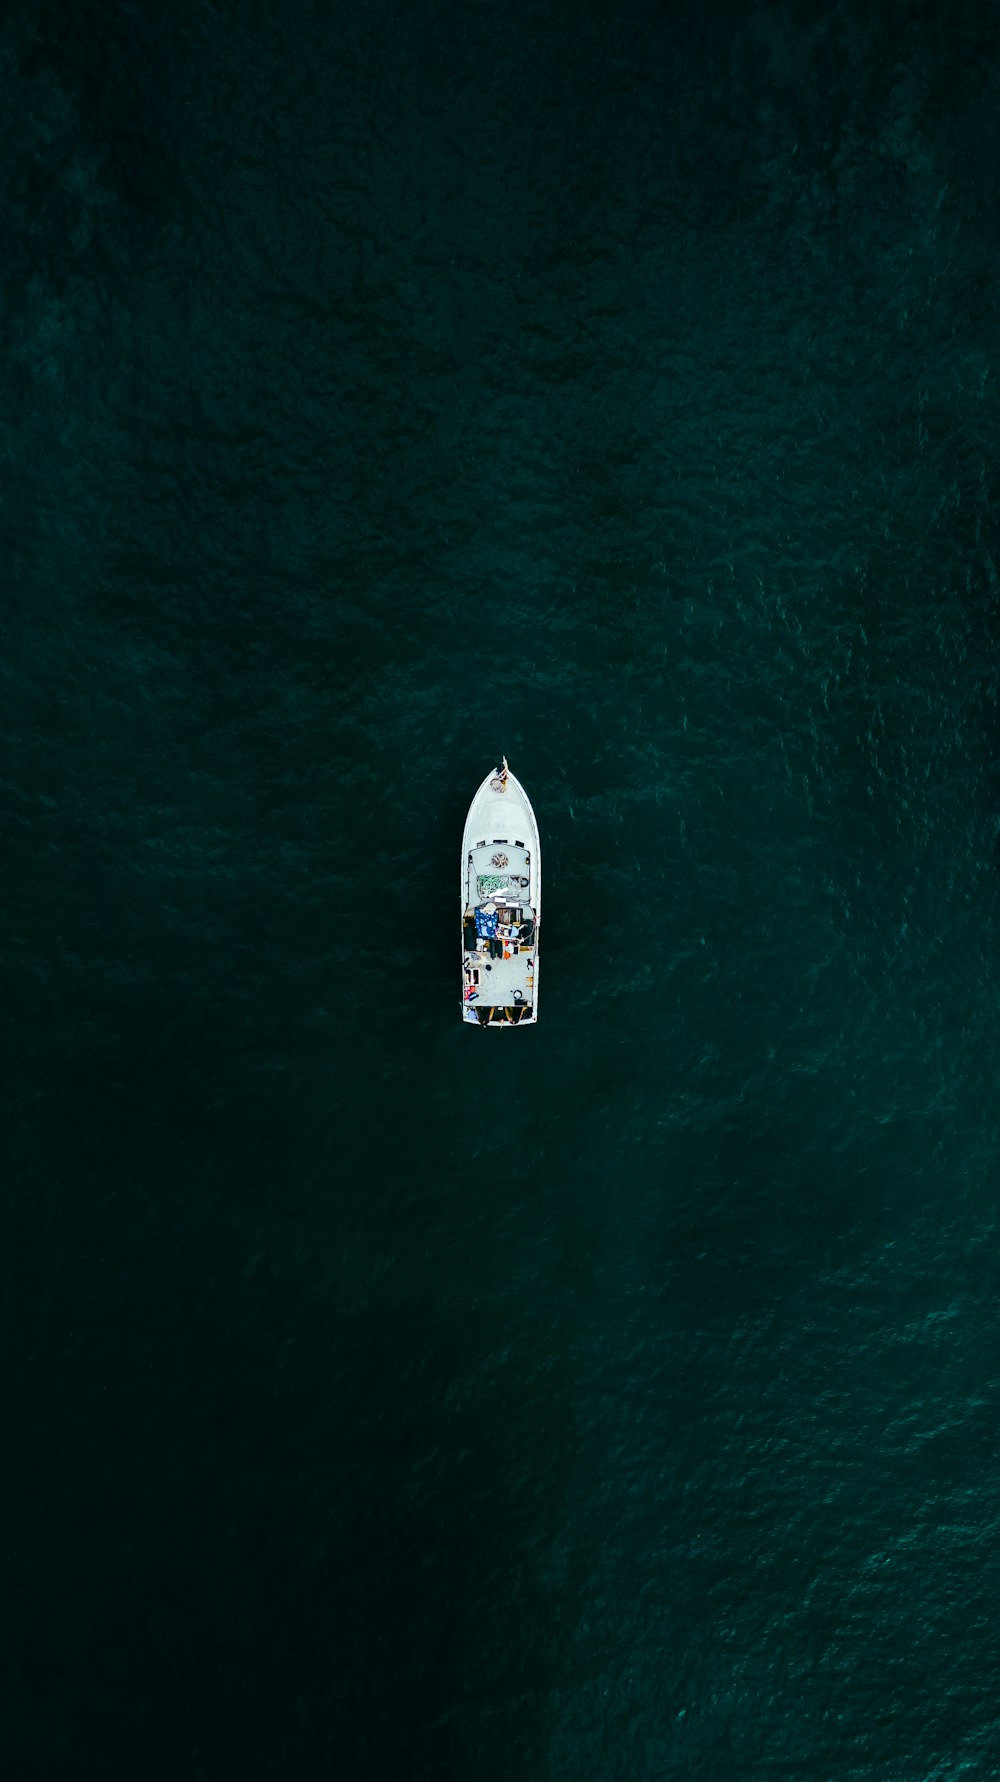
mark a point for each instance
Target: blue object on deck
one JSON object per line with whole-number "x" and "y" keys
{"x": 486, "y": 926}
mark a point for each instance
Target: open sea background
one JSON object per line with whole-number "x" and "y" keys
{"x": 383, "y": 387}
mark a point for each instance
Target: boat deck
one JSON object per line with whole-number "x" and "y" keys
{"x": 501, "y": 982}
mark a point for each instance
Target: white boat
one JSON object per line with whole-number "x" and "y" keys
{"x": 501, "y": 905}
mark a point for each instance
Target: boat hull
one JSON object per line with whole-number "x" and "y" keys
{"x": 501, "y": 905}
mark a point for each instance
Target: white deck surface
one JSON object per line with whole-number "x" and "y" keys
{"x": 504, "y": 976}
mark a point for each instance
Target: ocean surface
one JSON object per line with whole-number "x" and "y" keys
{"x": 384, "y": 387}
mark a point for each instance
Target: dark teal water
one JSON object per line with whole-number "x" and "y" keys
{"x": 383, "y": 388}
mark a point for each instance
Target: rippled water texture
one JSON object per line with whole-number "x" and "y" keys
{"x": 383, "y": 388}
